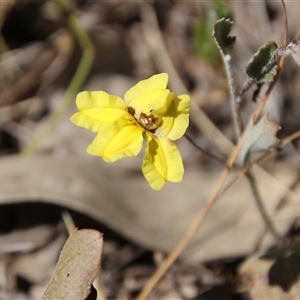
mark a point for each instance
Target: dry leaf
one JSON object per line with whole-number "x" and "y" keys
{"x": 259, "y": 137}
{"x": 272, "y": 277}
{"x": 294, "y": 49}
{"x": 126, "y": 204}
{"x": 77, "y": 267}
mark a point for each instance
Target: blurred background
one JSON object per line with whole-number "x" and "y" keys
{"x": 50, "y": 51}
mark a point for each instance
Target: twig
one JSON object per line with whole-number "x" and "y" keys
{"x": 162, "y": 59}
{"x": 263, "y": 102}
{"x": 261, "y": 207}
{"x": 68, "y": 221}
{"x": 290, "y": 138}
{"x": 270, "y": 64}
{"x": 27, "y": 81}
{"x": 249, "y": 174}
{"x": 286, "y": 23}
{"x": 14, "y": 68}
{"x": 257, "y": 113}
{"x": 194, "y": 227}
{"x": 283, "y": 202}
{"x": 14, "y": 111}
{"x": 247, "y": 85}
{"x": 209, "y": 154}
{"x": 155, "y": 42}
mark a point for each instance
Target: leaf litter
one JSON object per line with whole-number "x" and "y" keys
{"x": 33, "y": 74}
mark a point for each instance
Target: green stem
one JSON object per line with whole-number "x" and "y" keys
{"x": 77, "y": 81}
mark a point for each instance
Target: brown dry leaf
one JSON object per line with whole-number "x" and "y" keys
{"x": 126, "y": 203}
{"x": 259, "y": 137}
{"x": 37, "y": 266}
{"x": 26, "y": 240}
{"x": 277, "y": 277}
{"x": 77, "y": 267}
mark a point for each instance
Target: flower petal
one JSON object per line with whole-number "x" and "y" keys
{"x": 122, "y": 138}
{"x": 149, "y": 102}
{"x": 155, "y": 82}
{"x": 162, "y": 162}
{"x": 148, "y": 94}
{"x": 174, "y": 117}
{"x": 97, "y": 108}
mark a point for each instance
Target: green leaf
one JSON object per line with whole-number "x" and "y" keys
{"x": 203, "y": 40}
{"x": 222, "y": 29}
{"x": 263, "y": 66}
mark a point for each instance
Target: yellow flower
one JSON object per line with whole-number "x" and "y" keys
{"x": 148, "y": 112}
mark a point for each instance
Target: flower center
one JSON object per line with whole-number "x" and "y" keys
{"x": 148, "y": 122}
